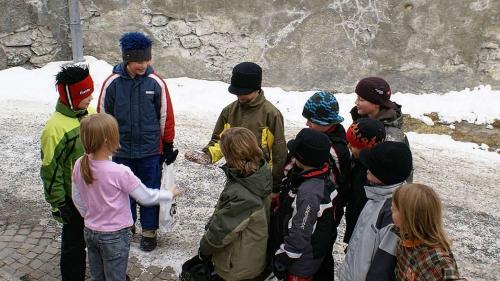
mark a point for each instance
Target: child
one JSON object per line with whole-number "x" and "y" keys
{"x": 253, "y": 111}
{"x": 363, "y": 133}
{"x": 374, "y": 102}
{"x": 139, "y": 100}
{"x": 303, "y": 223}
{"x": 424, "y": 253}
{"x": 322, "y": 113}
{"x": 236, "y": 234}
{"x": 61, "y": 146}
{"x": 101, "y": 194}
{"x": 371, "y": 250}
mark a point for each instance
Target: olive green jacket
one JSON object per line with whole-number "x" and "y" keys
{"x": 262, "y": 118}
{"x": 236, "y": 234}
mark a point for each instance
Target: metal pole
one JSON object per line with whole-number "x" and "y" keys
{"x": 76, "y": 31}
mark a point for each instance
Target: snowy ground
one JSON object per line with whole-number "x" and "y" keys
{"x": 465, "y": 176}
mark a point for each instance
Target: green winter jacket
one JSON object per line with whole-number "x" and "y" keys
{"x": 236, "y": 234}
{"x": 264, "y": 120}
{"x": 61, "y": 146}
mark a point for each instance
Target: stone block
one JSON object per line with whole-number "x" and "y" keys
{"x": 179, "y": 27}
{"x": 36, "y": 263}
{"x": 18, "y": 39}
{"x": 17, "y": 55}
{"x": 190, "y": 41}
{"x": 159, "y": 20}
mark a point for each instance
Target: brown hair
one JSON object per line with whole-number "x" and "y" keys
{"x": 97, "y": 130}
{"x": 421, "y": 215}
{"x": 240, "y": 148}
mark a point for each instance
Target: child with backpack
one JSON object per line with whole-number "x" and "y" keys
{"x": 302, "y": 221}
{"x": 236, "y": 235}
{"x": 424, "y": 252}
{"x": 101, "y": 190}
{"x": 371, "y": 250}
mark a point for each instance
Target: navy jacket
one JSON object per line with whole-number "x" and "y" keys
{"x": 143, "y": 109}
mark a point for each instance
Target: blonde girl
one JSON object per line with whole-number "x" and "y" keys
{"x": 424, "y": 252}
{"x": 101, "y": 190}
{"x": 236, "y": 234}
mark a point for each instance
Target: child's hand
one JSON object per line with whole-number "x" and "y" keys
{"x": 197, "y": 156}
{"x": 175, "y": 191}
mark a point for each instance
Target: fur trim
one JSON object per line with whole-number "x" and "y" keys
{"x": 135, "y": 41}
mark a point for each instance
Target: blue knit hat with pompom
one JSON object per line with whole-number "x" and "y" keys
{"x": 135, "y": 47}
{"x": 322, "y": 108}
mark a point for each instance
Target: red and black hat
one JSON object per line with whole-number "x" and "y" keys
{"x": 74, "y": 84}
{"x": 365, "y": 133}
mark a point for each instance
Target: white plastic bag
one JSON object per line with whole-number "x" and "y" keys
{"x": 167, "y": 209}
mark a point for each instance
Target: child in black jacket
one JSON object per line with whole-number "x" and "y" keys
{"x": 302, "y": 224}
{"x": 362, "y": 134}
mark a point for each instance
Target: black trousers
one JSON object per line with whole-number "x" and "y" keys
{"x": 73, "y": 250}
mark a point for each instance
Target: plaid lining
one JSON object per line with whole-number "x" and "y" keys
{"x": 416, "y": 262}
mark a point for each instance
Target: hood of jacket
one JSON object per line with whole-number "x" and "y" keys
{"x": 257, "y": 183}
{"x": 391, "y": 117}
{"x": 121, "y": 69}
{"x": 380, "y": 192}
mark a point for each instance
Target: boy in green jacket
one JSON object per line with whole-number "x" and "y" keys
{"x": 251, "y": 110}
{"x": 61, "y": 146}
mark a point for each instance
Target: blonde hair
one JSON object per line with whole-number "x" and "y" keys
{"x": 240, "y": 148}
{"x": 421, "y": 215}
{"x": 97, "y": 130}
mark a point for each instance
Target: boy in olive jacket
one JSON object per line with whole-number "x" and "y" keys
{"x": 252, "y": 111}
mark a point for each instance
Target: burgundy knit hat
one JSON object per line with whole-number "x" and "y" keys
{"x": 375, "y": 90}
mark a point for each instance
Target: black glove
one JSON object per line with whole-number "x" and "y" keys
{"x": 281, "y": 263}
{"x": 66, "y": 213}
{"x": 169, "y": 153}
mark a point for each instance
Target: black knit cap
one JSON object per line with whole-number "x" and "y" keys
{"x": 389, "y": 161}
{"x": 310, "y": 148}
{"x": 375, "y": 90}
{"x": 246, "y": 78}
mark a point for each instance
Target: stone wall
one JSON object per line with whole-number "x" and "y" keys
{"x": 418, "y": 45}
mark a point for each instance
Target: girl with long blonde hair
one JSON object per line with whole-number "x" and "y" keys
{"x": 101, "y": 190}
{"x": 424, "y": 252}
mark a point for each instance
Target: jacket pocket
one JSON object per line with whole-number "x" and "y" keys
{"x": 223, "y": 258}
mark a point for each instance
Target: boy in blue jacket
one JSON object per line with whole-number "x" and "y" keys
{"x": 139, "y": 100}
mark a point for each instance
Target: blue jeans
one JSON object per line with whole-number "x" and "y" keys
{"x": 148, "y": 170}
{"x": 108, "y": 254}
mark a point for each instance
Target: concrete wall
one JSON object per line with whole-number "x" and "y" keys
{"x": 418, "y": 45}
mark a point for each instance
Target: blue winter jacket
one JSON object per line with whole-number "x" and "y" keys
{"x": 143, "y": 109}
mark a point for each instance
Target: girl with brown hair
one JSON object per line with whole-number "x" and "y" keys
{"x": 236, "y": 235}
{"x": 101, "y": 190}
{"x": 424, "y": 252}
